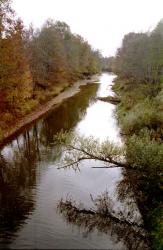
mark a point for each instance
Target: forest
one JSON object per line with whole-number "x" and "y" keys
{"x": 37, "y": 64}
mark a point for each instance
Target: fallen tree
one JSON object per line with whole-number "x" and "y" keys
{"x": 111, "y": 99}
{"x": 79, "y": 148}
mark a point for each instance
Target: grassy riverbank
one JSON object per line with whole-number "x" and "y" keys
{"x": 140, "y": 117}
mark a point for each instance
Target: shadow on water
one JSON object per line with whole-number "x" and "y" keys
{"x": 17, "y": 178}
{"x": 19, "y": 160}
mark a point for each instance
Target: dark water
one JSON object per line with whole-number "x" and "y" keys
{"x": 31, "y": 186}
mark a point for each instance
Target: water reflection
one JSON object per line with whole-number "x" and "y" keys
{"x": 103, "y": 218}
{"x": 68, "y": 114}
{"x": 17, "y": 178}
{"x": 19, "y": 161}
{"x": 131, "y": 186}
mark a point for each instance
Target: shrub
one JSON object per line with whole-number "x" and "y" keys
{"x": 159, "y": 102}
{"x": 145, "y": 153}
{"x": 7, "y": 117}
{"x": 143, "y": 114}
{"x": 26, "y": 107}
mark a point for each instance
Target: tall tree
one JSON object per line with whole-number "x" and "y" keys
{"x": 15, "y": 78}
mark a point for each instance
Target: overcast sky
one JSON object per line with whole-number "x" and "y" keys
{"x": 103, "y": 23}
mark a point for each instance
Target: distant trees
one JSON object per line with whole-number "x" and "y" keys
{"x": 58, "y": 55}
{"x": 141, "y": 56}
{"x": 15, "y": 76}
{"x": 48, "y": 57}
{"x": 108, "y": 63}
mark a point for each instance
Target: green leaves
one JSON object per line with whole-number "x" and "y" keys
{"x": 79, "y": 148}
{"x": 140, "y": 58}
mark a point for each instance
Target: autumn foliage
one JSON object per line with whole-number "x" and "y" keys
{"x": 37, "y": 64}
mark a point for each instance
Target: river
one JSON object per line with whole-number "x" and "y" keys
{"x": 31, "y": 185}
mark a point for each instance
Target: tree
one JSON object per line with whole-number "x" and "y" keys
{"x": 141, "y": 56}
{"x": 79, "y": 148}
{"x": 15, "y": 77}
{"x": 58, "y": 55}
{"x": 48, "y": 62}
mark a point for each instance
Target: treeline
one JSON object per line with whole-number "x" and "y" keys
{"x": 139, "y": 87}
{"x": 107, "y": 63}
{"x": 32, "y": 61}
{"x": 140, "y": 56}
{"x": 58, "y": 55}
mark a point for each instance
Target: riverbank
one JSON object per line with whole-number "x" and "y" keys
{"x": 140, "y": 118}
{"x": 32, "y": 184}
{"x": 42, "y": 109}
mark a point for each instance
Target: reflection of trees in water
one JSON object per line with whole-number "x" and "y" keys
{"x": 17, "y": 178}
{"x": 125, "y": 190}
{"x": 69, "y": 113}
{"x": 18, "y": 172}
{"x": 104, "y": 219}
{"x": 144, "y": 189}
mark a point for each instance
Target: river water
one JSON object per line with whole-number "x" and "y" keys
{"x": 31, "y": 185}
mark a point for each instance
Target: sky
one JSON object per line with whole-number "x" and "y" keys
{"x": 103, "y": 23}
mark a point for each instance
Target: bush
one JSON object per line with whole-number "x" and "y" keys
{"x": 159, "y": 102}
{"x": 145, "y": 153}
{"x": 7, "y": 117}
{"x": 143, "y": 114}
{"x": 25, "y": 107}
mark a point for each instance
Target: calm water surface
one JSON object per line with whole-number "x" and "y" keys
{"x": 31, "y": 185}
